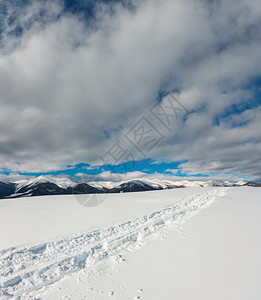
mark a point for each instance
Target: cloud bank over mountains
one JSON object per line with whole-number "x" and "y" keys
{"x": 72, "y": 84}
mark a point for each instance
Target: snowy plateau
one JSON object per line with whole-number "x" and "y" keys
{"x": 190, "y": 243}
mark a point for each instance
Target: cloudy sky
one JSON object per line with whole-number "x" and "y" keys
{"x": 139, "y": 87}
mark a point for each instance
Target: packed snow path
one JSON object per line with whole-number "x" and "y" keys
{"x": 28, "y": 269}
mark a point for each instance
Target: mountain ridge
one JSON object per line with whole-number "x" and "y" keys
{"x": 41, "y": 186}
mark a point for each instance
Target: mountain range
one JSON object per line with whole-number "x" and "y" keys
{"x": 63, "y": 186}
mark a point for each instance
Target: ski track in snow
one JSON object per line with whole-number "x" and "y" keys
{"x": 28, "y": 269}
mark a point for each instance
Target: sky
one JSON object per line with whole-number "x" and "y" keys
{"x": 130, "y": 88}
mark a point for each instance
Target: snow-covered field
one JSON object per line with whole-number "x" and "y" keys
{"x": 194, "y": 243}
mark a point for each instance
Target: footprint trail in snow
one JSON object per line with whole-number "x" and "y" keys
{"x": 24, "y": 270}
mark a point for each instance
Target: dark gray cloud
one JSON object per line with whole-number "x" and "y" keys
{"x": 68, "y": 92}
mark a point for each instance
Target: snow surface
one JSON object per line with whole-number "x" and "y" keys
{"x": 134, "y": 246}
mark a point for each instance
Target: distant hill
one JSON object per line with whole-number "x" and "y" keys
{"x": 58, "y": 186}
